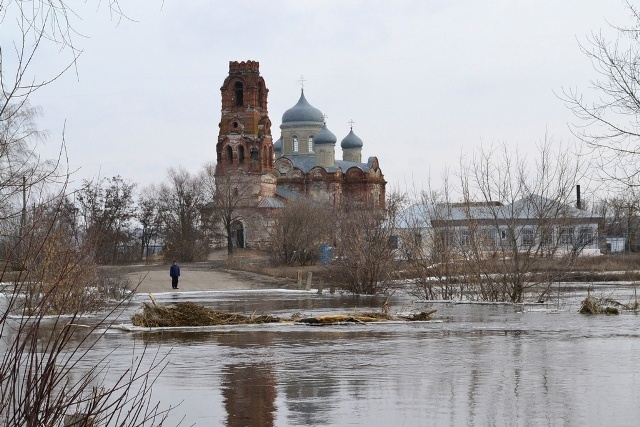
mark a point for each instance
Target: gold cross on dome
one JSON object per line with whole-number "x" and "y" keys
{"x": 302, "y": 80}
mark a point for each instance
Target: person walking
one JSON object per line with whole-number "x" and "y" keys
{"x": 174, "y": 272}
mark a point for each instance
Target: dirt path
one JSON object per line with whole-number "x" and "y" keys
{"x": 202, "y": 276}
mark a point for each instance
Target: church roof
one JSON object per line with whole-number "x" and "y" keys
{"x": 286, "y": 193}
{"x": 302, "y": 112}
{"x": 306, "y": 163}
{"x": 270, "y": 202}
{"x": 325, "y": 137}
{"x": 351, "y": 141}
{"x": 277, "y": 146}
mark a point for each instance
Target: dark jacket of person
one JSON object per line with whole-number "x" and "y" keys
{"x": 174, "y": 271}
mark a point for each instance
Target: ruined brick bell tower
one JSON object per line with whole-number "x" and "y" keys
{"x": 244, "y": 142}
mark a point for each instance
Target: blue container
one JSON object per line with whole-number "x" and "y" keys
{"x": 325, "y": 253}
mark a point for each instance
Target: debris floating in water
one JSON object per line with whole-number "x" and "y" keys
{"x": 190, "y": 314}
{"x": 186, "y": 314}
{"x": 592, "y": 305}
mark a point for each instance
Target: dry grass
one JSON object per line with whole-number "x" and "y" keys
{"x": 261, "y": 263}
{"x": 580, "y": 269}
{"x": 593, "y": 305}
{"x": 187, "y": 314}
{"x": 583, "y": 268}
{"x": 190, "y": 314}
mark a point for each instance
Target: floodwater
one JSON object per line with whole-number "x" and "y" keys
{"x": 475, "y": 365}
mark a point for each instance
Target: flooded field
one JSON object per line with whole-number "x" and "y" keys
{"x": 475, "y": 365}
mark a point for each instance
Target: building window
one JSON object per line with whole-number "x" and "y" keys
{"x": 311, "y": 144}
{"x": 448, "y": 238}
{"x": 393, "y": 242}
{"x": 488, "y": 237}
{"x": 528, "y": 237}
{"x": 585, "y": 236}
{"x": 566, "y": 236}
{"x": 464, "y": 238}
{"x": 295, "y": 144}
{"x": 239, "y": 94}
{"x": 546, "y": 236}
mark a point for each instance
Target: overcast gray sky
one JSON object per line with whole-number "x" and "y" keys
{"x": 424, "y": 81}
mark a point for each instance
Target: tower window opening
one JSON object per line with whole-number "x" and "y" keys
{"x": 295, "y": 144}
{"x": 311, "y": 144}
{"x": 241, "y": 154}
{"x": 239, "y": 94}
{"x": 229, "y": 155}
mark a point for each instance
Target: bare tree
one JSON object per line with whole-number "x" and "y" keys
{"x": 41, "y": 382}
{"x": 609, "y": 115}
{"x": 494, "y": 244}
{"x": 433, "y": 260}
{"x": 622, "y": 213}
{"x": 180, "y": 201}
{"x": 515, "y": 212}
{"x": 106, "y": 208}
{"x": 365, "y": 250}
{"x": 149, "y": 218}
{"x": 233, "y": 205}
{"x": 41, "y": 350}
{"x": 40, "y": 354}
{"x": 299, "y": 230}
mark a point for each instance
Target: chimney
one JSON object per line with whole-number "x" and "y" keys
{"x": 578, "y": 202}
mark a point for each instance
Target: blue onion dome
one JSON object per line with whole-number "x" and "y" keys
{"x": 302, "y": 112}
{"x": 325, "y": 137}
{"x": 351, "y": 141}
{"x": 277, "y": 146}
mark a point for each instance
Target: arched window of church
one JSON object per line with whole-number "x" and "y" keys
{"x": 229, "y": 154}
{"x": 311, "y": 144}
{"x": 239, "y": 94}
{"x": 295, "y": 144}
{"x": 241, "y": 154}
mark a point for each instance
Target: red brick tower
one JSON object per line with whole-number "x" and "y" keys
{"x": 244, "y": 142}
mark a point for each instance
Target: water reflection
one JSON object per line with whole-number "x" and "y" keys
{"x": 249, "y": 393}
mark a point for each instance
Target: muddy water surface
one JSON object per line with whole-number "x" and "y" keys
{"x": 477, "y": 365}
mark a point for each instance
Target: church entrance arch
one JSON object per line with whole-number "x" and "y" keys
{"x": 238, "y": 235}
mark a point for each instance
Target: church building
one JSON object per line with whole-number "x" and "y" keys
{"x": 302, "y": 163}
